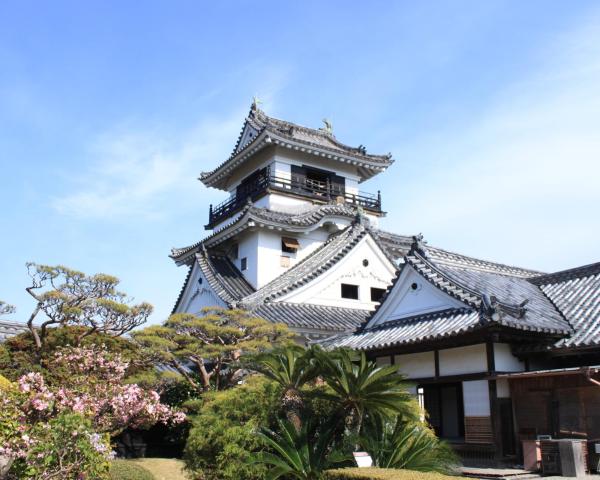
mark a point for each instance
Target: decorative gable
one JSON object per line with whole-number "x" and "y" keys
{"x": 365, "y": 267}
{"x": 248, "y": 134}
{"x": 197, "y": 294}
{"x": 412, "y": 295}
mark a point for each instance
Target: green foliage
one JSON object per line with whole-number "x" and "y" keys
{"x": 381, "y": 474}
{"x": 291, "y": 368}
{"x": 407, "y": 445}
{"x": 224, "y": 432}
{"x": 67, "y": 297}
{"x": 5, "y": 384}
{"x": 65, "y": 448}
{"x": 302, "y": 454}
{"x": 219, "y": 336}
{"x": 18, "y": 355}
{"x": 127, "y": 470}
{"x": 363, "y": 388}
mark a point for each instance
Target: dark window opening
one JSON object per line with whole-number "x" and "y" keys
{"x": 349, "y": 291}
{"x": 289, "y": 245}
{"x": 244, "y": 264}
{"x": 234, "y": 251}
{"x": 317, "y": 182}
{"x": 444, "y": 405}
{"x": 377, "y": 294}
{"x": 252, "y": 184}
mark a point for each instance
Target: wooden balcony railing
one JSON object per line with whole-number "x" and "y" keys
{"x": 313, "y": 189}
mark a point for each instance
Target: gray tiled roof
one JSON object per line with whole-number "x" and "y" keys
{"x": 9, "y": 329}
{"x": 576, "y": 293}
{"x": 310, "y": 316}
{"x": 290, "y": 135}
{"x": 493, "y": 294}
{"x": 418, "y": 328}
{"x": 224, "y": 278}
{"x": 290, "y": 221}
{"x": 475, "y": 287}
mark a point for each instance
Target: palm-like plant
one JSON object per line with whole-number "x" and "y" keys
{"x": 406, "y": 445}
{"x": 361, "y": 387}
{"x": 301, "y": 454}
{"x": 291, "y": 367}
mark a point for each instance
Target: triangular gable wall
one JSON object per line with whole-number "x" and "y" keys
{"x": 326, "y": 288}
{"x": 248, "y": 134}
{"x": 197, "y": 294}
{"x": 412, "y": 295}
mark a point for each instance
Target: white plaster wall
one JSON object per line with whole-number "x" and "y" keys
{"x": 383, "y": 361}
{"x": 476, "y": 397}
{"x": 282, "y": 203}
{"x": 456, "y": 361}
{"x": 505, "y": 361}
{"x": 269, "y": 251}
{"x": 326, "y": 289}
{"x": 248, "y": 248}
{"x": 416, "y": 365}
{"x": 351, "y": 186}
{"x": 503, "y": 388}
{"x": 198, "y": 294}
{"x": 403, "y": 301}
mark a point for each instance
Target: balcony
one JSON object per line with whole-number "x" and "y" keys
{"x": 322, "y": 192}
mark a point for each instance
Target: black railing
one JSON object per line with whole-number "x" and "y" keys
{"x": 314, "y": 189}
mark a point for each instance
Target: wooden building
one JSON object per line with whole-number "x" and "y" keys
{"x": 497, "y": 354}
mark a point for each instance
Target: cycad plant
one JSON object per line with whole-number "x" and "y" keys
{"x": 291, "y": 368}
{"x": 362, "y": 387}
{"x": 406, "y": 445}
{"x": 301, "y": 454}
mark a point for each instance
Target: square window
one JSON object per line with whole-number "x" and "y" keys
{"x": 377, "y": 294}
{"x": 349, "y": 291}
{"x": 244, "y": 264}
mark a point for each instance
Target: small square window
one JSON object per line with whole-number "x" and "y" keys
{"x": 244, "y": 264}
{"x": 289, "y": 245}
{"x": 349, "y": 291}
{"x": 377, "y": 294}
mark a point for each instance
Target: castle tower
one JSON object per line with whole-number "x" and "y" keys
{"x": 294, "y": 211}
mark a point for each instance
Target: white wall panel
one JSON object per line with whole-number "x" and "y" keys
{"x": 476, "y": 397}
{"x": 456, "y": 361}
{"x": 505, "y": 361}
{"x": 416, "y": 365}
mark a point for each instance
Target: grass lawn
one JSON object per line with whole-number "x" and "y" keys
{"x": 163, "y": 468}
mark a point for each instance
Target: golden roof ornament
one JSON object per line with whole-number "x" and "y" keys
{"x": 256, "y": 102}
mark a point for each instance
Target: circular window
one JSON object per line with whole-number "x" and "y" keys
{"x": 200, "y": 281}
{"x": 415, "y": 286}
{"x": 365, "y": 263}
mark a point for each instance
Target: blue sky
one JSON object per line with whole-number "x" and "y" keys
{"x": 109, "y": 111}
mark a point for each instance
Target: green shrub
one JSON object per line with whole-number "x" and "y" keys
{"x": 127, "y": 470}
{"x": 223, "y": 434}
{"x": 5, "y": 384}
{"x": 382, "y": 474}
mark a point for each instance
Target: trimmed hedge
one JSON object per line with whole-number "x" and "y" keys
{"x": 126, "y": 470}
{"x": 382, "y": 474}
